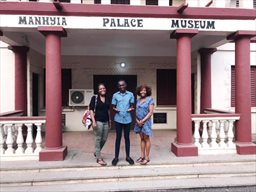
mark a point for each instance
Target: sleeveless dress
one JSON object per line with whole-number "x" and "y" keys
{"x": 142, "y": 109}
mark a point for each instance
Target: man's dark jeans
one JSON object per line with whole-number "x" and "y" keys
{"x": 119, "y": 128}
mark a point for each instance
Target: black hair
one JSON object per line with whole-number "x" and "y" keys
{"x": 148, "y": 90}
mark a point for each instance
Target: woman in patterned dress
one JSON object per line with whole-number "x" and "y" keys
{"x": 143, "y": 126}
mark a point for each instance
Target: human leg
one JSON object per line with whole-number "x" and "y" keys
{"x": 127, "y": 143}
{"x": 147, "y": 150}
{"x": 97, "y": 132}
{"x": 104, "y": 134}
{"x": 127, "y": 139}
{"x": 117, "y": 143}
{"x": 142, "y": 147}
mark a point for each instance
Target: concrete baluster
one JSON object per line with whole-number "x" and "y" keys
{"x": 19, "y": 140}
{"x": 1, "y": 139}
{"x": 230, "y": 143}
{"x": 196, "y": 133}
{"x": 29, "y": 140}
{"x": 214, "y": 135}
{"x": 222, "y": 134}
{"x": 9, "y": 140}
{"x": 205, "y": 135}
{"x": 38, "y": 140}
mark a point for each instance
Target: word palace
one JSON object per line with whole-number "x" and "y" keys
{"x": 118, "y": 22}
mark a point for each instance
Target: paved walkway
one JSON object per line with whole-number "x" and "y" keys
{"x": 166, "y": 172}
{"x": 81, "y": 149}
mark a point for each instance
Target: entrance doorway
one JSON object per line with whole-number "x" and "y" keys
{"x": 110, "y": 81}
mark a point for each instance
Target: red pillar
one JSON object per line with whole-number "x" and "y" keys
{"x": 244, "y": 143}
{"x": 20, "y": 53}
{"x": 53, "y": 150}
{"x": 184, "y": 146}
{"x": 206, "y": 89}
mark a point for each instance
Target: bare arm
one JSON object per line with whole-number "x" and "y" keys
{"x": 115, "y": 109}
{"x": 109, "y": 121}
{"x": 93, "y": 119}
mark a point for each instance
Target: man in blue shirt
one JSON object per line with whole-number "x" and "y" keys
{"x": 123, "y": 104}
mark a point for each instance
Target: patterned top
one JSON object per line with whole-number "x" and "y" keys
{"x": 123, "y": 101}
{"x": 142, "y": 109}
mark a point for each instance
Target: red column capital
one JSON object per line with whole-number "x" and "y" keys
{"x": 207, "y": 51}
{"x": 60, "y": 31}
{"x": 241, "y": 34}
{"x": 183, "y": 32}
{"x": 18, "y": 49}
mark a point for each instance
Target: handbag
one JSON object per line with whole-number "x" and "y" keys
{"x": 87, "y": 119}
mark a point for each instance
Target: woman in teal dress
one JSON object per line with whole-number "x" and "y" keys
{"x": 143, "y": 126}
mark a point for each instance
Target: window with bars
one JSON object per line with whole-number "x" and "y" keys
{"x": 120, "y": 2}
{"x": 170, "y": 2}
{"x": 254, "y": 4}
{"x": 151, "y": 2}
{"x": 253, "y": 86}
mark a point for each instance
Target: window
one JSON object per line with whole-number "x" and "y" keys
{"x": 66, "y": 80}
{"x": 166, "y": 86}
{"x": 97, "y": 1}
{"x": 254, "y": 3}
{"x": 120, "y": 2}
{"x": 151, "y": 2}
{"x": 253, "y": 86}
{"x": 170, "y": 2}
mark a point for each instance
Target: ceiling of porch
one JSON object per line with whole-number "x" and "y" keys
{"x": 113, "y": 42}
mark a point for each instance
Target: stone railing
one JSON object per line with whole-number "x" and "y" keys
{"x": 20, "y": 137}
{"x": 214, "y": 133}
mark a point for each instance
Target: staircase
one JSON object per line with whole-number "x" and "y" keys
{"x": 193, "y": 173}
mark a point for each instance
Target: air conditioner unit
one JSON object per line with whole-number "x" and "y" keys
{"x": 80, "y": 97}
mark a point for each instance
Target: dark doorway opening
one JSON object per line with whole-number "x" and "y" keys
{"x": 110, "y": 82}
{"x": 35, "y": 94}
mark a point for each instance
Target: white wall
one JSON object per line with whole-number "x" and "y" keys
{"x": 222, "y": 60}
{"x": 6, "y": 78}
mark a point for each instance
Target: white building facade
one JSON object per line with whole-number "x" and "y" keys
{"x": 185, "y": 50}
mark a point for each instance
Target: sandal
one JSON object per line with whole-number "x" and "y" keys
{"x": 139, "y": 160}
{"x": 101, "y": 162}
{"x": 145, "y": 162}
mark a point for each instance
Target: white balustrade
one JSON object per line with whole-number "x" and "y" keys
{"x": 214, "y": 133}
{"x": 13, "y": 145}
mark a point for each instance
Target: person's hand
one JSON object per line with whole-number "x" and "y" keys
{"x": 140, "y": 123}
{"x": 116, "y": 110}
{"x": 94, "y": 125}
{"x": 130, "y": 109}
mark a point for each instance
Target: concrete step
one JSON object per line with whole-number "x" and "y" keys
{"x": 225, "y": 184}
{"x": 130, "y": 174}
